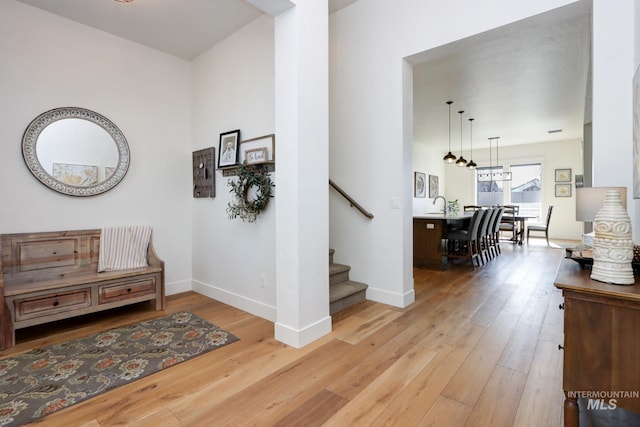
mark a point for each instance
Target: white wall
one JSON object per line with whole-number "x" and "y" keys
{"x": 428, "y": 160}
{"x": 233, "y": 88}
{"x": 369, "y": 130}
{"x": 49, "y": 62}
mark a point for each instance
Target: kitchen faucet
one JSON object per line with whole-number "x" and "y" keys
{"x": 444, "y": 206}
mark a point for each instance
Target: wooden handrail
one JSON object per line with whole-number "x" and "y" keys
{"x": 353, "y": 203}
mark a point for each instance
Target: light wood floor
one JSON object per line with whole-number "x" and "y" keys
{"x": 477, "y": 348}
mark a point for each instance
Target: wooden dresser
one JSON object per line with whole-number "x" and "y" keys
{"x": 601, "y": 343}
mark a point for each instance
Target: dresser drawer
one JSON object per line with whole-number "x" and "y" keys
{"x": 129, "y": 289}
{"x": 50, "y": 304}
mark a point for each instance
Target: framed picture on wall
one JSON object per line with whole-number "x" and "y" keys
{"x": 228, "y": 149}
{"x": 563, "y": 190}
{"x": 563, "y": 175}
{"x": 433, "y": 186}
{"x": 419, "y": 184}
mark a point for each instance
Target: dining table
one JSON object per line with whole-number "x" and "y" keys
{"x": 521, "y": 221}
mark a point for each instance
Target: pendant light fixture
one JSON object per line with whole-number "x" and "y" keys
{"x": 471, "y": 165}
{"x": 461, "y": 162}
{"x": 449, "y": 158}
{"x": 491, "y": 174}
{"x": 504, "y": 176}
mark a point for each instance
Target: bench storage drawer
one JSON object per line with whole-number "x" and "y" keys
{"x": 47, "y": 305}
{"x": 126, "y": 290}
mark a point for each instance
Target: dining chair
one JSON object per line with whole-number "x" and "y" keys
{"x": 494, "y": 240}
{"x": 470, "y": 208}
{"x": 483, "y": 232}
{"x": 543, "y": 228}
{"x": 462, "y": 243}
{"x": 509, "y": 222}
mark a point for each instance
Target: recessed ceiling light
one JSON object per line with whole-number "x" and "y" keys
{"x": 124, "y": 1}
{"x": 554, "y": 131}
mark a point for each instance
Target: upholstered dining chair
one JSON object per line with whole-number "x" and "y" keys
{"x": 544, "y": 228}
{"x": 493, "y": 237}
{"x": 509, "y": 223}
{"x": 483, "y": 233}
{"x": 462, "y": 243}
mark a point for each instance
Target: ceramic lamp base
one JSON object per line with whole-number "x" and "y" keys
{"x": 613, "y": 246}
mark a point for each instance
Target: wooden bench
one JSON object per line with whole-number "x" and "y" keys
{"x": 49, "y": 276}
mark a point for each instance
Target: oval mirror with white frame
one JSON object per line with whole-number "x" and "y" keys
{"x": 75, "y": 151}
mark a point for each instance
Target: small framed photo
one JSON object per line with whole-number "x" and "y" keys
{"x": 419, "y": 184}
{"x": 563, "y": 190}
{"x": 228, "y": 149}
{"x": 563, "y": 175}
{"x": 434, "y": 188}
{"x": 256, "y": 156}
{"x": 257, "y": 150}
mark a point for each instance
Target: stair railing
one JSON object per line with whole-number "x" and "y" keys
{"x": 352, "y": 202}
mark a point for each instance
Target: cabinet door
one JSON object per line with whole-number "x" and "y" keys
{"x": 602, "y": 349}
{"x": 587, "y": 349}
{"x": 427, "y": 243}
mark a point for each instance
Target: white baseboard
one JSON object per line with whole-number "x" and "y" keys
{"x": 298, "y": 338}
{"x": 249, "y": 305}
{"x": 177, "y": 287}
{"x": 391, "y": 298}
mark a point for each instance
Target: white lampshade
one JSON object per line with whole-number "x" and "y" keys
{"x": 589, "y": 200}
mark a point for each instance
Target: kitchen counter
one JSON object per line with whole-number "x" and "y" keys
{"x": 429, "y": 232}
{"x": 450, "y": 216}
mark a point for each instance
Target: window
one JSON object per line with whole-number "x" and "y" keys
{"x": 490, "y": 191}
{"x": 526, "y": 188}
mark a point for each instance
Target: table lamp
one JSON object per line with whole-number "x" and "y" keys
{"x": 613, "y": 243}
{"x": 589, "y": 200}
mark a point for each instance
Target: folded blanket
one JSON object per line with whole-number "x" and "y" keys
{"x": 123, "y": 247}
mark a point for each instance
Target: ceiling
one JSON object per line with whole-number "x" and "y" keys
{"x": 183, "y": 28}
{"x": 517, "y": 82}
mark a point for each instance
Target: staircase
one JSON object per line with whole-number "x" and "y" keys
{"x": 343, "y": 293}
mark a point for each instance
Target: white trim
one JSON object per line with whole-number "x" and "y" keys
{"x": 177, "y": 287}
{"x": 240, "y": 302}
{"x": 301, "y": 337}
{"x": 391, "y": 298}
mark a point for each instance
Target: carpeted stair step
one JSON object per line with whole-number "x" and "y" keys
{"x": 338, "y": 273}
{"x": 345, "y": 294}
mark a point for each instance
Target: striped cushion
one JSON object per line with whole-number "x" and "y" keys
{"x": 123, "y": 247}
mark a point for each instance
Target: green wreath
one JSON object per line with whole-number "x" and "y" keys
{"x": 248, "y": 177}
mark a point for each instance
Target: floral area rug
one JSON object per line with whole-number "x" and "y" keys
{"x": 43, "y": 381}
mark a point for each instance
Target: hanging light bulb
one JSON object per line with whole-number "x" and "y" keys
{"x": 461, "y": 162}
{"x": 471, "y": 164}
{"x": 449, "y": 158}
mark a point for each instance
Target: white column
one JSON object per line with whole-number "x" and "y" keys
{"x": 302, "y": 192}
{"x": 613, "y": 69}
